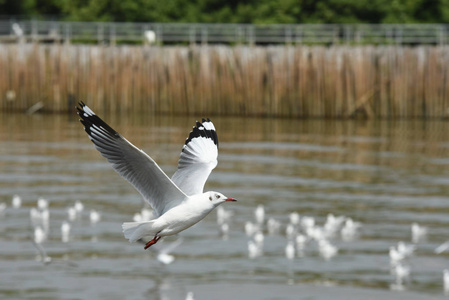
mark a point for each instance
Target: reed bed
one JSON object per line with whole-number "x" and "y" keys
{"x": 284, "y": 81}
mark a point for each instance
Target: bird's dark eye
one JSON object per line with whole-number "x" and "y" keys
{"x": 217, "y": 196}
{"x": 210, "y": 198}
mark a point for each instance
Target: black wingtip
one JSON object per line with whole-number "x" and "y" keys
{"x": 80, "y": 108}
{"x": 203, "y": 132}
{"x": 89, "y": 119}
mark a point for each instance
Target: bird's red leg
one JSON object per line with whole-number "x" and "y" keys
{"x": 152, "y": 242}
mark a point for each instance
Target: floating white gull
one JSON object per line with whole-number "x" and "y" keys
{"x": 399, "y": 253}
{"x": 79, "y": 207}
{"x": 40, "y": 218}
{"x": 441, "y": 248}
{"x": 223, "y": 215}
{"x": 16, "y": 201}
{"x": 290, "y": 231}
{"x": 406, "y": 249}
{"x": 333, "y": 225}
{"x": 190, "y": 296}
{"x": 94, "y": 217}
{"x": 326, "y": 249}
{"x": 42, "y": 204}
{"x": 39, "y": 235}
{"x": 254, "y": 250}
{"x": 250, "y": 228}
{"x": 223, "y": 229}
{"x": 71, "y": 212}
{"x": 395, "y": 256}
{"x": 273, "y": 226}
{"x": 179, "y": 202}
{"x": 164, "y": 255}
{"x": 65, "y": 232}
{"x": 307, "y": 222}
{"x": 294, "y": 218}
{"x": 418, "y": 232}
{"x": 401, "y": 273}
{"x": 446, "y": 281}
{"x": 259, "y": 214}
{"x": 350, "y": 229}
{"x": 290, "y": 250}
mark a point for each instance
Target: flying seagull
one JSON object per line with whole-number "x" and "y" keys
{"x": 179, "y": 202}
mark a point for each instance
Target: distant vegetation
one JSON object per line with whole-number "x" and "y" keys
{"x": 234, "y": 11}
{"x": 278, "y": 81}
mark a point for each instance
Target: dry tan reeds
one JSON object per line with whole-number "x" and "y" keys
{"x": 287, "y": 81}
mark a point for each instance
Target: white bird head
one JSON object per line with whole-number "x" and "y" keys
{"x": 217, "y": 198}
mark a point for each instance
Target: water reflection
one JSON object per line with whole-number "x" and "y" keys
{"x": 384, "y": 174}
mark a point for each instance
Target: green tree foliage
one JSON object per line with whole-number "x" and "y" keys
{"x": 234, "y": 11}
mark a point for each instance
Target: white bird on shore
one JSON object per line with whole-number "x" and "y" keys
{"x": 179, "y": 202}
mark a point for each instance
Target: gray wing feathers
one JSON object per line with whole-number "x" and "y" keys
{"x": 132, "y": 163}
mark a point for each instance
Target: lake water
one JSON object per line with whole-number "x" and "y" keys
{"x": 384, "y": 174}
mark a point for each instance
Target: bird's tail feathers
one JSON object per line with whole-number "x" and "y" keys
{"x": 134, "y": 231}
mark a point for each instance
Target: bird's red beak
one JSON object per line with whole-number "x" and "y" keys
{"x": 230, "y": 199}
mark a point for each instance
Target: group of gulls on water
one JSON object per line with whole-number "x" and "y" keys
{"x": 179, "y": 202}
{"x": 303, "y": 235}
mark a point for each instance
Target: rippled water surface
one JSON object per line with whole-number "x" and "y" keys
{"x": 383, "y": 174}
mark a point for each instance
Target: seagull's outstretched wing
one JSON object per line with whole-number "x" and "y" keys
{"x": 198, "y": 158}
{"x": 131, "y": 163}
